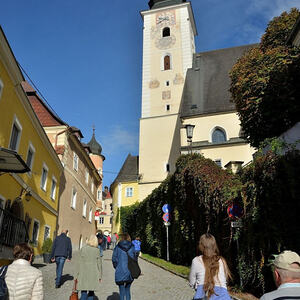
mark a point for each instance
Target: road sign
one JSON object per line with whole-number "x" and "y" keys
{"x": 237, "y": 224}
{"x": 97, "y": 213}
{"x": 166, "y": 217}
{"x": 166, "y": 208}
{"x": 235, "y": 211}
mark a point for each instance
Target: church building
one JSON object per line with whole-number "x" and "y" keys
{"x": 181, "y": 87}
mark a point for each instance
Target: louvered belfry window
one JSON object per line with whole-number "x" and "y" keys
{"x": 167, "y": 64}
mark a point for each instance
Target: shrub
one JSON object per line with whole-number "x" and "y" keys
{"x": 47, "y": 246}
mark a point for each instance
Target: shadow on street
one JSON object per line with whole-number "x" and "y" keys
{"x": 66, "y": 277}
{"x": 114, "y": 296}
{"x": 38, "y": 266}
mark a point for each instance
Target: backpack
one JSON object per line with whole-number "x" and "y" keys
{"x": 3, "y": 286}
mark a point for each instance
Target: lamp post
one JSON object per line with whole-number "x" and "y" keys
{"x": 189, "y": 134}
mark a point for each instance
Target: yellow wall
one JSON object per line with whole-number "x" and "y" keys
{"x": 13, "y": 104}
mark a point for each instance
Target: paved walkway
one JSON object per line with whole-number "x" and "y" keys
{"x": 154, "y": 284}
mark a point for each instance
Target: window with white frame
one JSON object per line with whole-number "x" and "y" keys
{"x": 129, "y": 192}
{"x": 53, "y": 188}
{"x": 75, "y": 162}
{"x": 44, "y": 177}
{"x": 46, "y": 232}
{"x": 30, "y": 156}
{"x": 87, "y": 175}
{"x": 218, "y": 136}
{"x": 1, "y": 88}
{"x": 84, "y": 208}
{"x": 74, "y": 198}
{"x": 15, "y": 136}
{"x": 101, "y": 220}
{"x": 90, "y": 215}
{"x": 167, "y": 167}
{"x": 92, "y": 187}
{"x": 99, "y": 195}
{"x": 35, "y": 232}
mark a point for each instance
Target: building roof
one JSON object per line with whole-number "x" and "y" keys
{"x": 94, "y": 145}
{"x": 129, "y": 170}
{"x": 153, "y": 4}
{"x": 207, "y": 83}
{"x": 47, "y": 117}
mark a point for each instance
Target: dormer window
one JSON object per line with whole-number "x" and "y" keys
{"x": 167, "y": 62}
{"x": 166, "y": 32}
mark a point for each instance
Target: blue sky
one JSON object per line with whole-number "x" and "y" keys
{"x": 86, "y": 57}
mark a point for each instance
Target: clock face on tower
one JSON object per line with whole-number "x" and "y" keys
{"x": 165, "y": 18}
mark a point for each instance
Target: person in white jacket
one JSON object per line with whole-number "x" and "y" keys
{"x": 23, "y": 281}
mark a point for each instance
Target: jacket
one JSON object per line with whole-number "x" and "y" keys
{"x": 89, "y": 269}
{"x": 23, "y": 281}
{"x": 62, "y": 247}
{"x": 120, "y": 261}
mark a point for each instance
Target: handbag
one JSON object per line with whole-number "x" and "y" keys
{"x": 133, "y": 267}
{"x": 74, "y": 295}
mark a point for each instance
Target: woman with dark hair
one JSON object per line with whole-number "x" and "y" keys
{"x": 123, "y": 277}
{"x": 23, "y": 281}
{"x": 209, "y": 272}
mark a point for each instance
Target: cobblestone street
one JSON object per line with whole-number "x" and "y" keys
{"x": 154, "y": 284}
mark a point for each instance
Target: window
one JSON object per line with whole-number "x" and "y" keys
{"x": 167, "y": 83}
{"x": 218, "y": 136}
{"x": 110, "y": 220}
{"x": 166, "y": 32}
{"x": 92, "y": 187}
{"x": 15, "y": 135}
{"x": 99, "y": 194}
{"x": 218, "y": 162}
{"x": 46, "y": 232}
{"x": 101, "y": 220}
{"x": 87, "y": 176}
{"x": 75, "y": 162}
{"x": 167, "y": 167}
{"x": 53, "y": 188}
{"x": 90, "y": 215}
{"x": 167, "y": 62}
{"x": 129, "y": 192}
{"x": 168, "y": 107}
{"x": 84, "y": 209}
{"x": 30, "y": 156}
{"x": 74, "y": 198}
{"x": 35, "y": 232}
{"x": 1, "y": 88}
{"x": 44, "y": 177}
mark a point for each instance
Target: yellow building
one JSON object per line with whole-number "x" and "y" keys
{"x": 124, "y": 189}
{"x": 30, "y": 199}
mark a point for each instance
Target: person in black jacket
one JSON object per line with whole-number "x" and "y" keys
{"x": 61, "y": 251}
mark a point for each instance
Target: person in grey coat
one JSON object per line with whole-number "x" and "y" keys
{"x": 89, "y": 270}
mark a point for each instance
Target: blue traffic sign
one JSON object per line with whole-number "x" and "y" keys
{"x": 166, "y": 208}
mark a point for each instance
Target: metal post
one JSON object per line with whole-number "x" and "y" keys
{"x": 167, "y": 227}
{"x": 238, "y": 253}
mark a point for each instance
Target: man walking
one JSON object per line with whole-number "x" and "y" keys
{"x": 61, "y": 250}
{"x": 113, "y": 240}
{"x": 286, "y": 270}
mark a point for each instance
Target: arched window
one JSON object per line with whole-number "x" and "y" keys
{"x": 167, "y": 62}
{"x": 166, "y": 32}
{"x": 218, "y": 136}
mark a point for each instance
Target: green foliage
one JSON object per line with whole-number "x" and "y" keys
{"x": 47, "y": 246}
{"x": 265, "y": 83}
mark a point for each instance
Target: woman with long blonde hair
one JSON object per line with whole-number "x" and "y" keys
{"x": 209, "y": 271}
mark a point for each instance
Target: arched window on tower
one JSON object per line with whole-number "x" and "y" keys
{"x": 166, "y": 32}
{"x": 218, "y": 136}
{"x": 167, "y": 62}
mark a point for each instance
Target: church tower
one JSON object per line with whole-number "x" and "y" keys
{"x": 168, "y": 48}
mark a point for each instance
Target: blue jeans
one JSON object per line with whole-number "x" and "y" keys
{"x": 125, "y": 291}
{"x": 60, "y": 261}
{"x": 87, "y": 296}
{"x": 101, "y": 250}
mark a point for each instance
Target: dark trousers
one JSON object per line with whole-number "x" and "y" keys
{"x": 60, "y": 261}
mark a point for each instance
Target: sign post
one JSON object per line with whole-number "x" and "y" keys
{"x": 166, "y": 217}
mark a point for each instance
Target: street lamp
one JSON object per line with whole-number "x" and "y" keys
{"x": 189, "y": 134}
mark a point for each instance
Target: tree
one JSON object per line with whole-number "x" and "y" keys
{"x": 265, "y": 83}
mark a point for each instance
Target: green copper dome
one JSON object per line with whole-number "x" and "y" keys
{"x": 163, "y": 3}
{"x": 94, "y": 145}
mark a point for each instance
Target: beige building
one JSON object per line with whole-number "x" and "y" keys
{"x": 180, "y": 87}
{"x": 80, "y": 180}
{"x": 106, "y": 215}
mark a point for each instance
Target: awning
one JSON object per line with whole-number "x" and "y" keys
{"x": 12, "y": 162}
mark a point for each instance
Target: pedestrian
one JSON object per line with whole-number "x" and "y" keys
{"x": 89, "y": 270}
{"x": 23, "y": 281}
{"x": 209, "y": 271}
{"x": 113, "y": 240}
{"x": 61, "y": 251}
{"x": 101, "y": 242}
{"x": 137, "y": 246}
{"x": 123, "y": 277}
{"x": 108, "y": 241}
{"x": 286, "y": 271}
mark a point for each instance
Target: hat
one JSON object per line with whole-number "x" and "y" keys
{"x": 285, "y": 259}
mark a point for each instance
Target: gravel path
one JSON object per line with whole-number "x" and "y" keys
{"x": 154, "y": 284}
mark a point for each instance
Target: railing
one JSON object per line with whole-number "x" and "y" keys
{"x": 12, "y": 230}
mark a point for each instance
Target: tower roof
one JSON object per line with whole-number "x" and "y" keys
{"x": 163, "y": 3}
{"x": 94, "y": 145}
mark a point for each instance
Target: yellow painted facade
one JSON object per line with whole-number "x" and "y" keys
{"x": 42, "y": 208}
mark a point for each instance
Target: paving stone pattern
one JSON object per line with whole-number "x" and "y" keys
{"x": 154, "y": 284}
